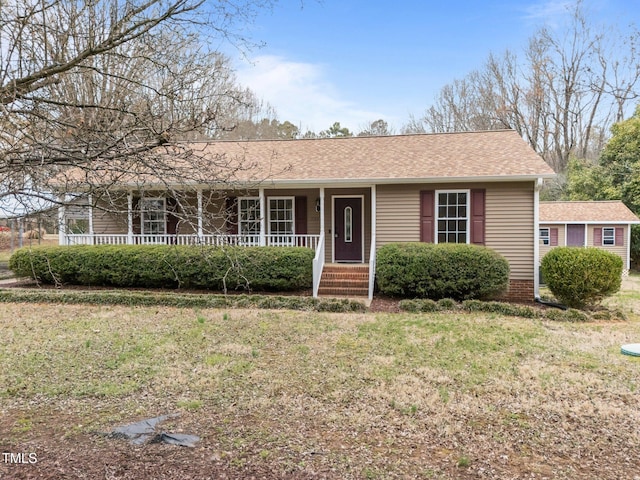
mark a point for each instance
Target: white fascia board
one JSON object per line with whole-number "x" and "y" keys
{"x": 590, "y": 222}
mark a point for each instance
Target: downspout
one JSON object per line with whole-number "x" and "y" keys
{"x": 536, "y": 243}
{"x": 628, "y": 247}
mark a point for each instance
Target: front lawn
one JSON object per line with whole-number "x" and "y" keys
{"x": 283, "y": 394}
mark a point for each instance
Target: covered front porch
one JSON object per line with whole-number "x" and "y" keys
{"x": 338, "y": 224}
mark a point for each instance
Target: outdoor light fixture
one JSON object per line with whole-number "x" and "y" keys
{"x": 318, "y": 204}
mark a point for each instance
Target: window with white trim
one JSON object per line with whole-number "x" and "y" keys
{"x": 545, "y": 236}
{"x": 452, "y": 209}
{"x": 281, "y": 216}
{"x": 153, "y": 219}
{"x": 608, "y": 236}
{"x": 249, "y": 215}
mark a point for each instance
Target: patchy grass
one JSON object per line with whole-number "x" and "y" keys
{"x": 284, "y": 394}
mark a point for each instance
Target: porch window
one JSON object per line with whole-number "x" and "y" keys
{"x": 608, "y": 236}
{"x": 281, "y": 216}
{"x": 452, "y": 209}
{"x": 545, "y": 236}
{"x": 249, "y": 216}
{"x": 153, "y": 216}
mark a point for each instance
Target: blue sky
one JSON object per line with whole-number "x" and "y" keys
{"x": 355, "y": 61}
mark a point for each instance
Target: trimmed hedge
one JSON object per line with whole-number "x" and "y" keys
{"x": 168, "y": 266}
{"x": 581, "y": 277}
{"x": 427, "y": 270}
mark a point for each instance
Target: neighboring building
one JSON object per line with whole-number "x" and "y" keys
{"x": 602, "y": 224}
{"x": 345, "y": 197}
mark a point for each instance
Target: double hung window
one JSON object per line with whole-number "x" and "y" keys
{"x": 249, "y": 216}
{"x": 153, "y": 213}
{"x": 452, "y": 208}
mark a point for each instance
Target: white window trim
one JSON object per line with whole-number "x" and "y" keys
{"x": 293, "y": 214}
{"x": 613, "y": 237}
{"x": 468, "y": 217}
{"x": 541, "y": 238}
{"x": 240, "y": 221}
{"x": 143, "y": 210}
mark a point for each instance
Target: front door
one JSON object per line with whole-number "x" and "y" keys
{"x": 347, "y": 233}
{"x": 575, "y": 235}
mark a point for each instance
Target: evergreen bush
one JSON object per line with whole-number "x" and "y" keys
{"x": 426, "y": 270}
{"x": 581, "y": 277}
{"x": 168, "y": 266}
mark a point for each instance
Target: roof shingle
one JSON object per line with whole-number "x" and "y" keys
{"x": 426, "y": 156}
{"x": 594, "y": 211}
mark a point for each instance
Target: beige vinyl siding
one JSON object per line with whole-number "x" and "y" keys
{"x": 509, "y": 225}
{"x": 620, "y": 250}
{"x": 544, "y": 249}
{"x": 110, "y": 219}
{"x": 313, "y": 217}
{"x": 113, "y": 220}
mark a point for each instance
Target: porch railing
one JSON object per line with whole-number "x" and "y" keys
{"x": 308, "y": 241}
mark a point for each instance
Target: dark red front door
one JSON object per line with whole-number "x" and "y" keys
{"x": 575, "y": 235}
{"x": 348, "y": 229}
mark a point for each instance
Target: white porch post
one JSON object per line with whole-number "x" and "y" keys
{"x": 62, "y": 224}
{"x": 322, "y": 212}
{"x": 91, "y": 232}
{"x": 263, "y": 217}
{"x": 536, "y": 237}
{"x": 200, "y": 229}
{"x": 372, "y": 251}
{"x": 130, "y": 218}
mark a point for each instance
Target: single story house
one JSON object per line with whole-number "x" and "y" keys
{"x": 344, "y": 198}
{"x": 602, "y": 224}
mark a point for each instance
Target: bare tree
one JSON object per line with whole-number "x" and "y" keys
{"x": 111, "y": 87}
{"x": 562, "y": 98}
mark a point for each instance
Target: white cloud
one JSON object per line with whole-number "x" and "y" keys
{"x": 302, "y": 94}
{"x": 550, "y": 12}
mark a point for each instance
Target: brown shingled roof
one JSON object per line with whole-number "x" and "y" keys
{"x": 470, "y": 156}
{"x": 613, "y": 211}
{"x": 428, "y": 156}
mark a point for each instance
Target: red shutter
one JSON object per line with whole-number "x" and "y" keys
{"x": 619, "y": 236}
{"x": 477, "y": 216}
{"x": 597, "y": 237}
{"x": 172, "y": 219}
{"x": 231, "y": 215}
{"x": 427, "y": 211}
{"x": 553, "y": 237}
{"x": 301, "y": 215}
{"x": 137, "y": 217}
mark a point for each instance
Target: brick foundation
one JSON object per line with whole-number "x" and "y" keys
{"x": 519, "y": 291}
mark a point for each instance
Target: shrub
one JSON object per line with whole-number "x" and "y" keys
{"x": 456, "y": 271}
{"x": 581, "y": 277}
{"x": 168, "y": 266}
{"x": 419, "y": 305}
